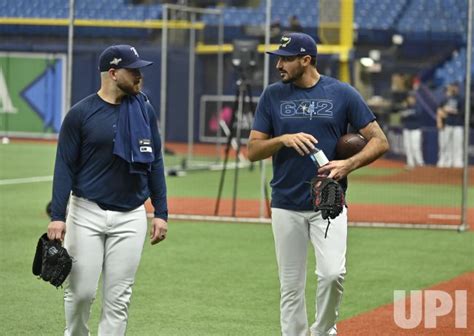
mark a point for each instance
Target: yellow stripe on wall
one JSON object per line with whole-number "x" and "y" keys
{"x": 153, "y": 24}
{"x": 323, "y": 49}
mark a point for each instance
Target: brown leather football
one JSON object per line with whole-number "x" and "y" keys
{"x": 349, "y": 145}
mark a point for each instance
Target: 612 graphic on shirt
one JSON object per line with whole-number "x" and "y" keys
{"x": 306, "y": 108}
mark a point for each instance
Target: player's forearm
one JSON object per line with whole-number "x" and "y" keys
{"x": 374, "y": 149}
{"x": 259, "y": 149}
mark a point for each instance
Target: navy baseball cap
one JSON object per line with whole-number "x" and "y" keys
{"x": 294, "y": 44}
{"x": 121, "y": 56}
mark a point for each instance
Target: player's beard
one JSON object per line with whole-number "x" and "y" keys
{"x": 296, "y": 76}
{"x": 131, "y": 89}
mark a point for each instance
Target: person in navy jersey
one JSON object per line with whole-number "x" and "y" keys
{"x": 108, "y": 163}
{"x": 450, "y": 123}
{"x": 298, "y": 113}
{"x": 410, "y": 118}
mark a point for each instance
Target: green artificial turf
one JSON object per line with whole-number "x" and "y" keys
{"x": 19, "y": 160}
{"x": 221, "y": 279}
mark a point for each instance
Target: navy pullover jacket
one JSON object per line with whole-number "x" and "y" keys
{"x": 86, "y": 165}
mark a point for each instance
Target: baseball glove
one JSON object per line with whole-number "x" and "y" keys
{"x": 328, "y": 197}
{"x": 52, "y": 262}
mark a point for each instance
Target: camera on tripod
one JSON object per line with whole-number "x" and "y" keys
{"x": 244, "y": 60}
{"x": 244, "y": 57}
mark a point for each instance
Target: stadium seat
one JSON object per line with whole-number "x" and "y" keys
{"x": 417, "y": 19}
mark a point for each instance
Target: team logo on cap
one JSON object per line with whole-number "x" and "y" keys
{"x": 116, "y": 61}
{"x": 134, "y": 51}
{"x": 284, "y": 41}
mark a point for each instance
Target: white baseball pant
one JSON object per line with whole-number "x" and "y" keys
{"x": 442, "y": 148}
{"x": 412, "y": 141}
{"x": 107, "y": 242}
{"x": 451, "y": 147}
{"x": 292, "y": 230}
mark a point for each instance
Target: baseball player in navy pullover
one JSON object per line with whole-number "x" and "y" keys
{"x": 108, "y": 164}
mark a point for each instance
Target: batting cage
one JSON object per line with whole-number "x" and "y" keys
{"x": 438, "y": 194}
{"x": 196, "y": 115}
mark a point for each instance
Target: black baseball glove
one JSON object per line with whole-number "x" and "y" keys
{"x": 52, "y": 262}
{"x": 328, "y": 197}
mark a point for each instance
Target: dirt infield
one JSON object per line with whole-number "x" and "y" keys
{"x": 357, "y": 212}
{"x": 380, "y": 321}
{"x": 425, "y": 175}
{"x": 366, "y": 213}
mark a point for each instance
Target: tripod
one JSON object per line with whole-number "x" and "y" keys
{"x": 243, "y": 94}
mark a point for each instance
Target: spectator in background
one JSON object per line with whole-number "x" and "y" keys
{"x": 412, "y": 134}
{"x": 450, "y": 123}
{"x": 275, "y": 31}
{"x": 295, "y": 25}
{"x": 399, "y": 91}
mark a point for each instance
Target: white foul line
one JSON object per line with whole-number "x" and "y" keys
{"x": 444, "y": 216}
{"x": 33, "y": 179}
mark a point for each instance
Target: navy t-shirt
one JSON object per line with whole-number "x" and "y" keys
{"x": 455, "y": 103}
{"x": 411, "y": 117}
{"x": 324, "y": 111}
{"x": 85, "y": 163}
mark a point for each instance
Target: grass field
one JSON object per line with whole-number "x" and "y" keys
{"x": 206, "y": 278}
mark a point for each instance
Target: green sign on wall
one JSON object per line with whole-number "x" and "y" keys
{"x": 32, "y": 93}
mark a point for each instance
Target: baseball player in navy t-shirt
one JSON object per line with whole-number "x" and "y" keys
{"x": 450, "y": 122}
{"x": 410, "y": 118}
{"x": 293, "y": 116}
{"x": 108, "y": 163}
